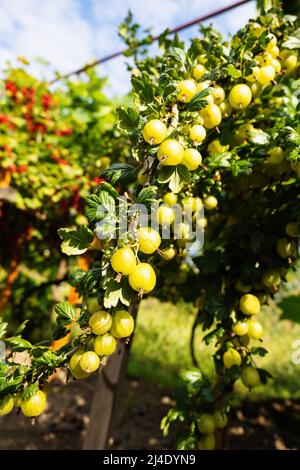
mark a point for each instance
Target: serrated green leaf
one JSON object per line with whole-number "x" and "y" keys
{"x": 291, "y": 42}
{"x": 120, "y": 173}
{"x": 75, "y": 241}
{"x": 233, "y": 71}
{"x": 145, "y": 196}
{"x": 18, "y": 344}
{"x": 128, "y": 119}
{"x": 65, "y": 313}
{"x": 179, "y": 178}
{"x": 198, "y": 102}
{"x": 259, "y": 137}
{"x": 29, "y": 391}
{"x": 117, "y": 292}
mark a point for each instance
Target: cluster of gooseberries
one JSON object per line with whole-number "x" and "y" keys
{"x": 32, "y": 407}
{"x": 105, "y": 330}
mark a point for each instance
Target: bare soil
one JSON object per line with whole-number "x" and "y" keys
{"x": 270, "y": 425}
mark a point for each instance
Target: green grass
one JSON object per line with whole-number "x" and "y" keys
{"x": 161, "y": 348}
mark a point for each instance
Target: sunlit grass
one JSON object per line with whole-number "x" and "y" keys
{"x": 161, "y": 348}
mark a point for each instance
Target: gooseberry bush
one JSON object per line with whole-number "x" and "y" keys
{"x": 214, "y": 126}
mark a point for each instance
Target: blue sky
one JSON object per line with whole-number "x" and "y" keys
{"x": 70, "y": 33}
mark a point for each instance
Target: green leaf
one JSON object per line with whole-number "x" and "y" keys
{"x": 105, "y": 186}
{"x": 222, "y": 160}
{"x": 173, "y": 415}
{"x": 3, "y": 328}
{"x": 17, "y": 344}
{"x": 75, "y": 241}
{"x": 179, "y": 178}
{"x": 165, "y": 174}
{"x": 30, "y": 391}
{"x": 106, "y": 228}
{"x": 259, "y": 137}
{"x": 233, "y": 71}
{"x": 144, "y": 88}
{"x": 145, "y": 196}
{"x": 197, "y": 102}
{"x": 65, "y": 313}
{"x": 259, "y": 351}
{"x": 92, "y": 279}
{"x": 291, "y": 42}
{"x": 117, "y": 292}
{"x": 120, "y": 173}
{"x": 290, "y": 307}
{"x": 128, "y": 119}
{"x": 21, "y": 328}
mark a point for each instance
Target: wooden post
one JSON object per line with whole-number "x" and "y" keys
{"x": 107, "y": 395}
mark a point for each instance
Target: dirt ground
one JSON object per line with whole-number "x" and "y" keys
{"x": 270, "y": 425}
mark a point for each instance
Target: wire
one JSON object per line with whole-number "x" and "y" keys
{"x": 155, "y": 38}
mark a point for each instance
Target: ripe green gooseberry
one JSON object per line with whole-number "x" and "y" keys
{"x": 148, "y": 240}
{"x": 100, "y": 322}
{"x": 105, "y": 345}
{"x": 285, "y": 248}
{"x": 276, "y": 156}
{"x": 221, "y": 419}
{"x": 272, "y": 42}
{"x": 168, "y": 253}
{"x": 218, "y": 94}
{"x": 250, "y": 376}
{"x": 198, "y": 71}
{"x": 170, "y": 199}
{"x": 290, "y": 64}
{"x": 89, "y": 362}
{"x": 155, "y": 131}
{"x": 266, "y": 75}
{"x": 143, "y": 278}
{"x": 35, "y": 405}
{"x": 193, "y": 204}
{"x": 143, "y": 177}
{"x": 292, "y": 229}
{"x": 249, "y": 304}
{"x": 240, "y": 96}
{"x": 225, "y": 108}
{"x": 271, "y": 278}
{"x": 191, "y": 159}
{"x": 207, "y": 442}
{"x": 6, "y": 405}
{"x": 253, "y": 75}
{"x": 212, "y": 116}
{"x": 123, "y": 324}
{"x": 201, "y": 222}
{"x": 170, "y": 152}
{"x": 165, "y": 215}
{"x": 244, "y": 340}
{"x": 210, "y": 202}
{"x": 206, "y": 423}
{"x": 182, "y": 231}
{"x": 197, "y": 133}
{"x": 123, "y": 260}
{"x": 274, "y": 51}
{"x": 255, "y": 329}
{"x": 240, "y": 328}
{"x": 215, "y": 147}
{"x": 92, "y": 305}
{"x": 74, "y": 365}
{"x": 231, "y": 357}
{"x": 186, "y": 90}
